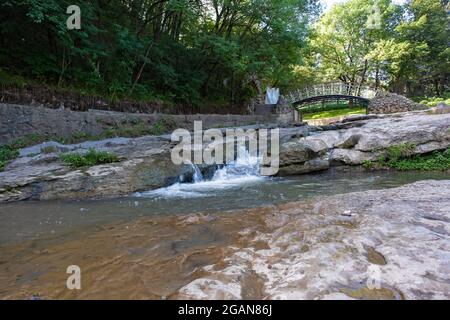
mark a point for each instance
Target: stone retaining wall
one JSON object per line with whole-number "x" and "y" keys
{"x": 17, "y": 121}
{"x": 386, "y": 102}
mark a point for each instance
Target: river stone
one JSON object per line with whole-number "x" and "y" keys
{"x": 303, "y": 156}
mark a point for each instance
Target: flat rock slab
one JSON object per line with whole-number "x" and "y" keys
{"x": 384, "y": 244}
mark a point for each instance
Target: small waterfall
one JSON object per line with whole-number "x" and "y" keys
{"x": 197, "y": 177}
{"x": 243, "y": 170}
{"x": 245, "y": 165}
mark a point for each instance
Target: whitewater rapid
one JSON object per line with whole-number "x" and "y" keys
{"x": 243, "y": 171}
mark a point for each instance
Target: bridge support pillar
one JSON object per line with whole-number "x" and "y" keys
{"x": 297, "y": 116}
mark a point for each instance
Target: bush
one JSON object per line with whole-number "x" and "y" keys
{"x": 401, "y": 157}
{"x": 7, "y": 153}
{"x": 89, "y": 159}
{"x": 435, "y": 161}
{"x": 434, "y": 101}
{"x": 367, "y": 164}
{"x": 404, "y": 150}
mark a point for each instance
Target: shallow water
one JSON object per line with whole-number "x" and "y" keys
{"x": 152, "y": 244}
{"x": 52, "y": 219}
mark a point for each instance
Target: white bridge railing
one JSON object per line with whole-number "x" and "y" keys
{"x": 331, "y": 89}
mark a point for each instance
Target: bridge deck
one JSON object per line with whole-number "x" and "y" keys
{"x": 331, "y": 91}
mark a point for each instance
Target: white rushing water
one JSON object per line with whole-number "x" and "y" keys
{"x": 244, "y": 170}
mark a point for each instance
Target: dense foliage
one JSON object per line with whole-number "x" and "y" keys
{"x": 181, "y": 51}
{"x": 401, "y": 47}
{"x": 223, "y": 52}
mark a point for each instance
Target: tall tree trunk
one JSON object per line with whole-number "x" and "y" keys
{"x": 141, "y": 69}
{"x": 363, "y": 76}
{"x": 377, "y": 77}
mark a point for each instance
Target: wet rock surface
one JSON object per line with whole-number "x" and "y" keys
{"x": 372, "y": 245}
{"x": 383, "y": 244}
{"x": 145, "y": 162}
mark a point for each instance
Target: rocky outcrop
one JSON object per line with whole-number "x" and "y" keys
{"x": 387, "y": 102}
{"x": 303, "y": 155}
{"x": 145, "y": 162}
{"x": 384, "y": 244}
{"x": 363, "y": 138}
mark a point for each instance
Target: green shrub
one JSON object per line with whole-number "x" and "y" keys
{"x": 404, "y": 150}
{"x": 367, "y": 164}
{"x": 7, "y": 153}
{"x": 381, "y": 160}
{"x": 401, "y": 157}
{"x": 438, "y": 160}
{"x": 89, "y": 159}
{"x": 434, "y": 101}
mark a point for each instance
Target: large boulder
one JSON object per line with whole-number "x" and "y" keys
{"x": 303, "y": 155}
{"x": 353, "y": 142}
{"x": 145, "y": 164}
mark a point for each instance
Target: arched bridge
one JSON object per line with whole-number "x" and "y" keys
{"x": 326, "y": 92}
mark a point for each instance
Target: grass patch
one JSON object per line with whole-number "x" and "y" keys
{"x": 327, "y": 106}
{"x": 367, "y": 164}
{"x": 401, "y": 157}
{"x": 401, "y": 151}
{"x": 7, "y": 153}
{"x": 435, "y": 161}
{"x": 334, "y": 113}
{"x": 89, "y": 159}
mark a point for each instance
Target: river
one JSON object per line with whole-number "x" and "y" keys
{"x": 158, "y": 238}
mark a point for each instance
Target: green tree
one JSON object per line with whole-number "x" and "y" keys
{"x": 343, "y": 41}
{"x": 188, "y": 52}
{"x": 426, "y": 30}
